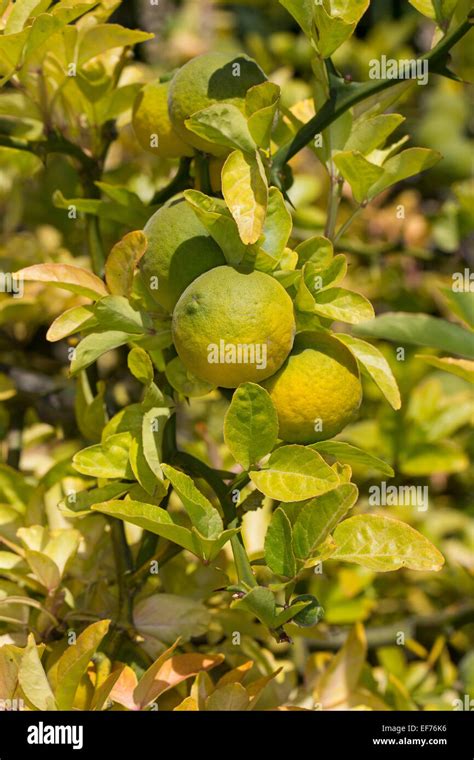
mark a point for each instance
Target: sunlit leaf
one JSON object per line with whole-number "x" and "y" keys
{"x": 294, "y": 473}
{"x": 376, "y": 366}
{"x": 65, "y": 276}
{"x": 122, "y": 262}
{"x": 383, "y": 544}
{"x": 245, "y": 190}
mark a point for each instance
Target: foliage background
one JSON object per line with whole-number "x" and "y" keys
{"x": 399, "y": 264}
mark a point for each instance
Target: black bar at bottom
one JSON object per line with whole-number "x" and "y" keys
{"x": 373, "y": 734}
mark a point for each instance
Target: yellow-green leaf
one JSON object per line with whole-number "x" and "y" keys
{"x": 383, "y": 544}
{"x": 294, "y": 473}
{"x": 245, "y": 189}
{"x": 65, "y": 276}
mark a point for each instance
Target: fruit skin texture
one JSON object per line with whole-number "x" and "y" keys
{"x": 179, "y": 250}
{"x": 236, "y": 309}
{"x": 150, "y": 117}
{"x": 320, "y": 380}
{"x": 206, "y": 80}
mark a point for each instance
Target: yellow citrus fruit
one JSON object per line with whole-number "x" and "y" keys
{"x": 318, "y": 390}
{"x": 231, "y": 328}
{"x": 179, "y": 250}
{"x": 151, "y": 123}
{"x": 205, "y": 80}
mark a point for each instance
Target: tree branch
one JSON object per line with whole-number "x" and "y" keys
{"x": 345, "y": 95}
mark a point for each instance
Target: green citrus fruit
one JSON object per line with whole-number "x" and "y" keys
{"x": 317, "y": 391}
{"x": 311, "y": 614}
{"x": 205, "y": 80}
{"x": 179, "y": 250}
{"x": 231, "y": 328}
{"x": 151, "y": 123}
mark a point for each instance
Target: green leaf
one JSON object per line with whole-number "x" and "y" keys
{"x": 318, "y": 250}
{"x": 222, "y": 124}
{"x": 318, "y": 518}
{"x": 302, "y": 12}
{"x": 376, "y": 366}
{"x": 459, "y": 367}
{"x": 278, "y": 225}
{"x": 125, "y": 208}
{"x": 202, "y": 514}
{"x": 140, "y": 365}
{"x": 259, "y": 602}
{"x": 153, "y": 425}
{"x": 383, "y": 544}
{"x": 70, "y": 322}
{"x": 93, "y": 346}
{"x": 461, "y": 303}
{"x": 336, "y": 26}
{"x": 65, "y": 276}
{"x": 151, "y": 483}
{"x": 343, "y": 306}
{"x": 408, "y": 163}
{"x": 20, "y": 14}
{"x": 369, "y": 133}
{"x": 420, "y": 330}
{"x": 44, "y": 568}
{"x": 279, "y": 554}
{"x": 318, "y": 278}
{"x": 209, "y": 548}
{"x": 250, "y": 424}
{"x": 217, "y": 219}
{"x": 101, "y": 37}
{"x": 122, "y": 262}
{"x": 81, "y": 503}
{"x": 261, "y": 104}
{"x": 183, "y": 381}
{"x": 358, "y": 172}
{"x": 438, "y": 10}
{"x": 115, "y": 313}
{"x": 294, "y": 473}
{"x": 106, "y": 460}
{"x": 72, "y": 664}
{"x": 32, "y": 679}
{"x": 152, "y": 518}
{"x": 245, "y": 189}
{"x": 346, "y": 453}
{"x": 11, "y": 50}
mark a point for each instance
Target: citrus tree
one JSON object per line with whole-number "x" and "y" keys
{"x": 132, "y": 538}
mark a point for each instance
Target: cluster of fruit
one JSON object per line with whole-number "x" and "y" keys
{"x": 313, "y": 380}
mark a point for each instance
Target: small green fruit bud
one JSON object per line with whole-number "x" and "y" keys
{"x": 311, "y": 614}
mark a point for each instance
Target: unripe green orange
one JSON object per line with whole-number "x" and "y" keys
{"x": 205, "y": 80}
{"x": 179, "y": 250}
